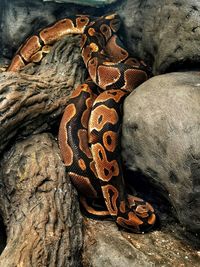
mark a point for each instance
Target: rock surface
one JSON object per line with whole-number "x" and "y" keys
{"x": 95, "y": 3}
{"x": 105, "y": 246}
{"x": 163, "y": 31}
{"x": 161, "y": 133}
{"x": 39, "y": 206}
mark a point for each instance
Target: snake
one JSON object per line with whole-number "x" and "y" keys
{"x": 90, "y": 129}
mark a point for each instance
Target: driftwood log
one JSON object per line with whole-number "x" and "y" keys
{"x": 38, "y": 205}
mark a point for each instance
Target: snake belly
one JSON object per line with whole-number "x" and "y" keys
{"x": 90, "y": 129}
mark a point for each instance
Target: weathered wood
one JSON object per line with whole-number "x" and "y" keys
{"x": 33, "y": 103}
{"x": 38, "y": 204}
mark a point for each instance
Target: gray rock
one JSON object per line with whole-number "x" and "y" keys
{"x": 163, "y": 32}
{"x": 95, "y": 3}
{"x": 161, "y": 134}
{"x": 105, "y": 246}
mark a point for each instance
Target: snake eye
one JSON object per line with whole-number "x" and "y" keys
{"x": 82, "y": 20}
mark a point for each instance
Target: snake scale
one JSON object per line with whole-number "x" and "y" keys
{"x": 89, "y": 134}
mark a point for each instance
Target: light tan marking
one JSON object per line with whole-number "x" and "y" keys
{"x": 111, "y": 16}
{"x": 150, "y": 207}
{"x": 81, "y": 164}
{"x": 110, "y": 140}
{"x": 80, "y": 88}
{"x": 94, "y": 47}
{"x": 102, "y": 115}
{"x": 81, "y": 22}
{"x": 16, "y": 64}
{"x": 122, "y": 207}
{"x": 46, "y": 49}
{"x": 106, "y": 31}
{"x": 105, "y": 169}
{"x": 83, "y": 185}
{"x": 107, "y": 75}
{"x": 83, "y": 142}
{"x": 133, "y": 199}
{"x": 133, "y": 78}
{"x": 31, "y": 46}
{"x": 109, "y": 63}
{"x": 114, "y": 94}
{"x": 58, "y": 30}
{"x": 66, "y": 150}
{"x": 133, "y": 221}
{"x": 110, "y": 194}
{"x": 116, "y": 52}
{"x": 92, "y": 211}
{"x": 142, "y": 211}
{"x": 152, "y": 219}
{"x": 91, "y": 31}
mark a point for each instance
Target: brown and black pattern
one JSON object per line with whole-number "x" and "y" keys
{"x": 89, "y": 134}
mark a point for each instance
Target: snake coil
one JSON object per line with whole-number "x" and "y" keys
{"x": 89, "y": 134}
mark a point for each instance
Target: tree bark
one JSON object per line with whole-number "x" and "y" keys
{"x": 37, "y": 202}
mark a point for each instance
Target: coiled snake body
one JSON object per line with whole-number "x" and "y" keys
{"x": 89, "y": 134}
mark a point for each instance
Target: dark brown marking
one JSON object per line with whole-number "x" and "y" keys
{"x": 133, "y": 62}
{"x": 132, "y": 222}
{"x": 37, "y": 57}
{"x": 108, "y": 75}
{"x": 31, "y": 46}
{"x": 114, "y": 94}
{"x": 116, "y": 52}
{"x": 122, "y": 207}
{"x": 91, "y": 210}
{"x": 133, "y": 78}
{"x": 16, "y": 64}
{"x": 82, "y": 164}
{"x": 115, "y": 25}
{"x": 83, "y": 142}
{"x": 83, "y": 185}
{"x": 152, "y": 219}
{"x": 106, "y": 31}
{"x": 61, "y": 28}
{"x": 111, "y": 194}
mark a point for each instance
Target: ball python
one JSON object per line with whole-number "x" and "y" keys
{"x": 89, "y": 133}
